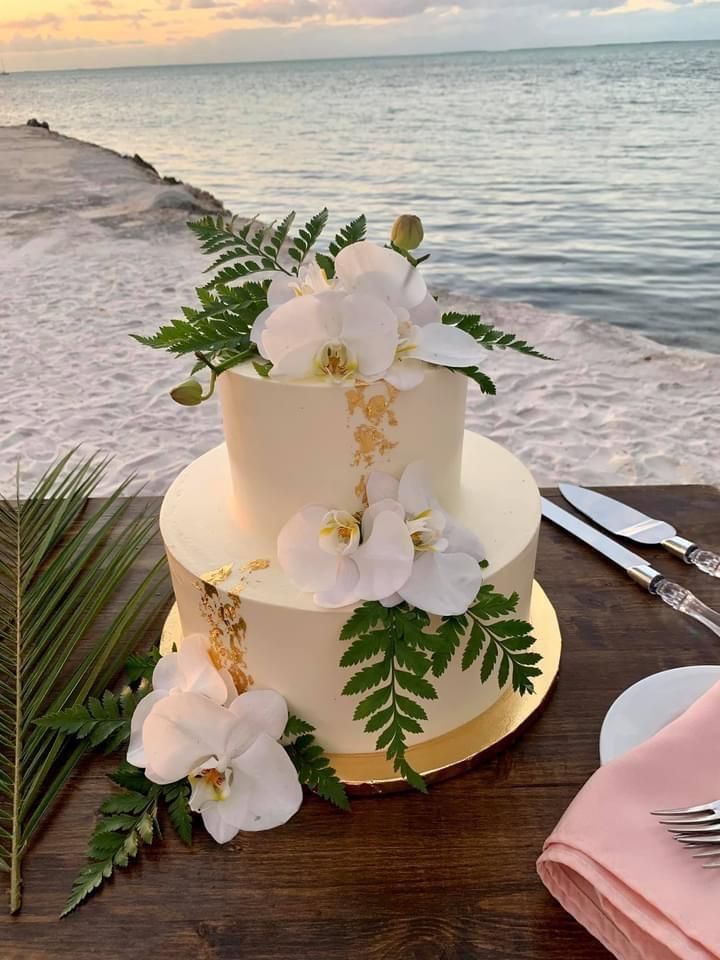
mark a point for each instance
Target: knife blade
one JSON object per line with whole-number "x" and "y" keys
{"x": 675, "y": 595}
{"x": 625, "y": 521}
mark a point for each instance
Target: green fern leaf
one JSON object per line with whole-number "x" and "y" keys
{"x": 312, "y": 765}
{"x": 352, "y": 233}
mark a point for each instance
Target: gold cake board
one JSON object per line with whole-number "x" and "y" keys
{"x": 454, "y": 752}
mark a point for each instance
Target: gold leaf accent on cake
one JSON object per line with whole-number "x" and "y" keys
{"x": 361, "y": 490}
{"x": 226, "y": 634}
{"x": 377, "y": 411}
{"x": 251, "y": 567}
{"x": 219, "y": 575}
{"x": 371, "y": 443}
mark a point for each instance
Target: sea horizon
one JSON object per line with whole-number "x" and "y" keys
{"x": 378, "y": 56}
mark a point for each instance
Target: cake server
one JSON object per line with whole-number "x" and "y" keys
{"x": 635, "y": 567}
{"x": 625, "y": 521}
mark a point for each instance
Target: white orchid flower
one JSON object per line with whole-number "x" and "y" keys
{"x": 321, "y": 552}
{"x": 190, "y": 670}
{"x": 332, "y": 336}
{"x": 386, "y": 275}
{"x": 241, "y": 777}
{"x": 445, "y": 575}
{"x": 311, "y": 279}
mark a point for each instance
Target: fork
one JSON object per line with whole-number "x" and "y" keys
{"x": 697, "y": 829}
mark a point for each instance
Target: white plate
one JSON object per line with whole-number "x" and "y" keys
{"x": 649, "y": 705}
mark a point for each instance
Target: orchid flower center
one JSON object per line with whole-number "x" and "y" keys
{"x": 425, "y": 532}
{"x": 335, "y": 361}
{"x": 407, "y": 337}
{"x": 339, "y": 533}
{"x": 210, "y": 783}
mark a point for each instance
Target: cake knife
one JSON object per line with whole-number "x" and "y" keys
{"x": 624, "y": 521}
{"x": 635, "y": 567}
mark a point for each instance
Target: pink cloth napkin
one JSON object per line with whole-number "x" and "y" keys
{"x": 616, "y": 869}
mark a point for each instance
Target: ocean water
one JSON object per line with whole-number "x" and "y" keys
{"x": 585, "y": 180}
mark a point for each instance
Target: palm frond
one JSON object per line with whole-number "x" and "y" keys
{"x": 60, "y": 566}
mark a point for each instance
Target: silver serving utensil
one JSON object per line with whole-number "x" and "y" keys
{"x": 624, "y": 521}
{"x": 697, "y": 829}
{"x": 676, "y": 596}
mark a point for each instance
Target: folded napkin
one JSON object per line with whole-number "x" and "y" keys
{"x": 617, "y": 870}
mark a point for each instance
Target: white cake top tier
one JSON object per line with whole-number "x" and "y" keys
{"x": 296, "y": 443}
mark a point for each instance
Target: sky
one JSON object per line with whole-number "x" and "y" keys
{"x": 66, "y": 34}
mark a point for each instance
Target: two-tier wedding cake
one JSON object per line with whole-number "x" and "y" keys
{"x": 350, "y": 546}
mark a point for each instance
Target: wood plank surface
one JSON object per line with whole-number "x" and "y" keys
{"x": 450, "y": 876}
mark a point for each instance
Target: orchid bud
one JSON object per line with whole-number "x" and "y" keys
{"x": 407, "y": 232}
{"x": 189, "y": 393}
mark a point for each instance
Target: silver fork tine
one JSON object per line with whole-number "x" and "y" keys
{"x": 681, "y": 811}
{"x": 694, "y": 839}
{"x": 704, "y": 854}
{"x": 711, "y": 866}
{"x": 690, "y": 830}
{"x": 679, "y": 821}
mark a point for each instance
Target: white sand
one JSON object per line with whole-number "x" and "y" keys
{"x": 93, "y": 247}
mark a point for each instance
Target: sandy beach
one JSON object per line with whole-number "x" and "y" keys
{"x": 93, "y": 246}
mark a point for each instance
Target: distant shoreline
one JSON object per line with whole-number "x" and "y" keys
{"x": 380, "y": 56}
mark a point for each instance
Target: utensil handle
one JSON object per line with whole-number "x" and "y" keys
{"x": 681, "y": 599}
{"x": 705, "y": 560}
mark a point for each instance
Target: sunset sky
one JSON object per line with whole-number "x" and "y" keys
{"x": 59, "y": 34}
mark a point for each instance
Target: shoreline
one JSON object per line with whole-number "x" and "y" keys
{"x": 96, "y": 243}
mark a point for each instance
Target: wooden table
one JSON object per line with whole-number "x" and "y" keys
{"x": 451, "y": 875}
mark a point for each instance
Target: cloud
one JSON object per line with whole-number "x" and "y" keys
{"x": 101, "y": 4}
{"x": 51, "y": 20}
{"x": 104, "y": 17}
{"x": 275, "y": 11}
{"x": 39, "y": 44}
{"x": 209, "y": 4}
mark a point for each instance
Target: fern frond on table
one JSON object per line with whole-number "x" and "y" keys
{"x": 60, "y": 565}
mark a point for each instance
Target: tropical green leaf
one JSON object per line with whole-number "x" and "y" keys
{"x": 352, "y": 233}
{"x": 396, "y": 637}
{"x": 488, "y": 336}
{"x": 312, "y": 765}
{"x": 307, "y": 237}
{"x": 61, "y": 563}
{"x": 128, "y": 820}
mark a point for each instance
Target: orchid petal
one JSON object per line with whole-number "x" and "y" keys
{"x": 428, "y": 311}
{"x": 385, "y": 560}
{"x": 258, "y": 328}
{"x": 220, "y": 829}
{"x": 230, "y": 688}
{"x": 365, "y": 267}
{"x": 181, "y": 732}
{"x": 136, "y": 752}
{"x": 414, "y": 492}
{"x": 262, "y": 711}
{"x": 343, "y": 591}
{"x": 381, "y": 486}
{"x": 370, "y": 332}
{"x": 392, "y": 601}
{"x": 442, "y": 583}
{"x": 405, "y": 374}
{"x": 462, "y": 540}
{"x": 368, "y": 519}
{"x": 296, "y": 364}
{"x": 270, "y": 783}
{"x": 446, "y": 345}
{"x": 280, "y": 291}
{"x": 191, "y": 670}
{"x": 300, "y": 323}
{"x": 299, "y": 553}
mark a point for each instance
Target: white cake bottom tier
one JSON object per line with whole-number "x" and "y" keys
{"x": 229, "y": 586}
